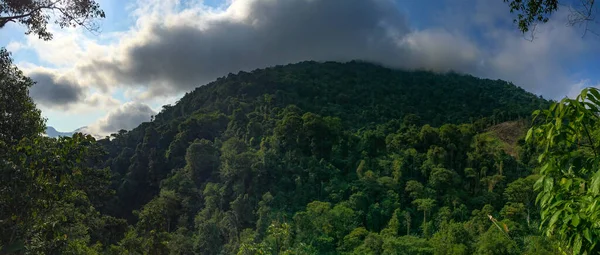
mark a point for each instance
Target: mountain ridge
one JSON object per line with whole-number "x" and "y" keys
{"x": 301, "y": 85}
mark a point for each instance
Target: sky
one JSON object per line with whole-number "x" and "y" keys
{"x": 149, "y": 53}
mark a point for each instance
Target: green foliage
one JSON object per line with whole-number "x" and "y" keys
{"x": 44, "y": 202}
{"x": 495, "y": 241}
{"x": 569, "y": 183}
{"x": 452, "y": 239}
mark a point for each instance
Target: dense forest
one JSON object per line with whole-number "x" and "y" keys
{"x": 308, "y": 158}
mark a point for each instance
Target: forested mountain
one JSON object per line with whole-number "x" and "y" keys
{"x": 330, "y": 158}
{"x": 308, "y": 158}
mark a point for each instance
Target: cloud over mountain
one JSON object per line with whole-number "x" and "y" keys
{"x": 175, "y": 46}
{"x": 190, "y": 47}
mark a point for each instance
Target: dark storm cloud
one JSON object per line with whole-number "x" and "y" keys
{"x": 273, "y": 32}
{"x": 54, "y": 92}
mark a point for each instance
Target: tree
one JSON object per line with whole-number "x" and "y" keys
{"x": 521, "y": 191}
{"x": 452, "y": 238}
{"x": 393, "y": 226}
{"x": 35, "y": 14}
{"x": 19, "y": 118}
{"x": 496, "y": 242}
{"x": 425, "y": 205}
{"x": 202, "y": 158}
{"x": 531, "y": 12}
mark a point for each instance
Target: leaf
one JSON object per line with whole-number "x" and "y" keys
{"x": 575, "y": 220}
{"x": 548, "y": 184}
{"x": 595, "y": 93}
{"x": 587, "y": 235}
{"x": 595, "y": 183}
{"x": 529, "y": 133}
{"x": 554, "y": 218}
{"x": 577, "y": 244}
{"x": 541, "y": 157}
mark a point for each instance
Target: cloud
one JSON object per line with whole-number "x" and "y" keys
{"x": 14, "y": 46}
{"x": 438, "y": 50}
{"x": 54, "y": 91}
{"x": 173, "y": 50}
{"x": 196, "y": 46}
{"x": 101, "y": 100}
{"x": 127, "y": 116}
{"x": 542, "y": 65}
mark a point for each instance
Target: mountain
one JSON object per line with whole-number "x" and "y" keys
{"x": 51, "y": 132}
{"x": 329, "y": 158}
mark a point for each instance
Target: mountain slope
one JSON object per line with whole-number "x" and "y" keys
{"x": 51, "y": 132}
{"x": 330, "y": 157}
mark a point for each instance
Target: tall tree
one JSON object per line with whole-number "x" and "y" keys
{"x": 19, "y": 117}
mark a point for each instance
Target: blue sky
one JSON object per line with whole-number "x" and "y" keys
{"x": 150, "y": 52}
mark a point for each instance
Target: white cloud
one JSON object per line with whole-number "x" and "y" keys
{"x": 14, "y": 46}
{"x": 103, "y": 101}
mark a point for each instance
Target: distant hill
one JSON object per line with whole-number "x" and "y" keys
{"x": 52, "y": 132}
{"x": 327, "y": 158}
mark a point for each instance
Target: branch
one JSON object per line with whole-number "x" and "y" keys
{"x": 582, "y": 15}
{"x": 5, "y": 20}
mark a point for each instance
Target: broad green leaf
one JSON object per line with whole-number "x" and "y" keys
{"x": 555, "y": 217}
{"x": 529, "y": 133}
{"x": 587, "y": 235}
{"x": 575, "y": 220}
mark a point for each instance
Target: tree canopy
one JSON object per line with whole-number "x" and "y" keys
{"x": 35, "y": 14}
